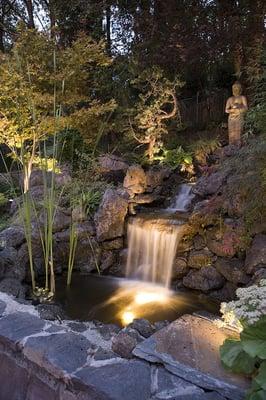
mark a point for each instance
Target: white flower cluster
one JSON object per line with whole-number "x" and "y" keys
{"x": 250, "y": 306}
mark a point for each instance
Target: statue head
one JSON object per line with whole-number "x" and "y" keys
{"x": 237, "y": 88}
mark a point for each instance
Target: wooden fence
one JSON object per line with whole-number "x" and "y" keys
{"x": 198, "y": 111}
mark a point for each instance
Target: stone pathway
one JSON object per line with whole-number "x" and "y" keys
{"x": 43, "y": 360}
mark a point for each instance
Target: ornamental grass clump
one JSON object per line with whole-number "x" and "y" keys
{"x": 248, "y": 354}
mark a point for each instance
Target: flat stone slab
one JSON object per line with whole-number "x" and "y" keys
{"x": 189, "y": 348}
{"x": 119, "y": 380}
{"x": 60, "y": 354}
{"x": 166, "y": 386}
{"x": 17, "y": 326}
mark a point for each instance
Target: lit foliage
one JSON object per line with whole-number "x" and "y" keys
{"x": 248, "y": 355}
{"x": 250, "y": 306}
{"x": 45, "y": 88}
{"x": 156, "y": 107}
{"x": 173, "y": 158}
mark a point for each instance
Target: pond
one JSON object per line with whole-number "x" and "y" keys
{"x": 119, "y": 300}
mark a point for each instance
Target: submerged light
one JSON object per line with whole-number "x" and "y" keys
{"x": 127, "y": 317}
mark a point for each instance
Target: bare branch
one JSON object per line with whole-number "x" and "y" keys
{"x": 174, "y": 111}
{"x": 142, "y": 141}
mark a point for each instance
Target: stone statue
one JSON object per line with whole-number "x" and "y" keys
{"x": 236, "y": 106}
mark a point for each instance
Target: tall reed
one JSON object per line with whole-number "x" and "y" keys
{"x": 73, "y": 240}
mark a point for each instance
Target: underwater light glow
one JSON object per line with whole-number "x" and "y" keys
{"x": 127, "y": 317}
{"x": 139, "y": 298}
{"x": 150, "y": 297}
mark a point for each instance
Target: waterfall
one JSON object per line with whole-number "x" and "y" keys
{"x": 152, "y": 247}
{"x": 183, "y": 199}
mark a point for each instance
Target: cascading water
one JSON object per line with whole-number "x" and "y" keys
{"x": 183, "y": 199}
{"x": 152, "y": 247}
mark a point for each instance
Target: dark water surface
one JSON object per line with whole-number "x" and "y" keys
{"x": 118, "y": 300}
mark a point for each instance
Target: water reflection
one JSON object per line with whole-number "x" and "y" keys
{"x": 113, "y": 300}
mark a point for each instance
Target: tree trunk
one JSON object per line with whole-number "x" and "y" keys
{"x": 29, "y": 6}
{"x": 2, "y": 46}
{"x": 52, "y": 16}
{"x": 108, "y": 28}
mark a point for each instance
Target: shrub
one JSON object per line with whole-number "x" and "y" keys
{"x": 177, "y": 157}
{"x": 248, "y": 354}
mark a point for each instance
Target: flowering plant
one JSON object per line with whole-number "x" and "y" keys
{"x": 248, "y": 354}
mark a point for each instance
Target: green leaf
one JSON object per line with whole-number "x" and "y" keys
{"x": 235, "y": 358}
{"x": 253, "y": 339}
{"x": 261, "y": 377}
{"x": 259, "y": 395}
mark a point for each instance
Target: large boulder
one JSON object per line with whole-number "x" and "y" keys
{"x": 146, "y": 198}
{"x": 111, "y": 163}
{"x": 226, "y": 293}
{"x": 23, "y": 258}
{"x": 112, "y": 167}
{"x": 233, "y": 270}
{"x": 234, "y": 205}
{"x": 87, "y": 254}
{"x": 13, "y": 236}
{"x": 228, "y": 240}
{"x": 39, "y": 177}
{"x": 199, "y": 242}
{"x": 180, "y": 268}
{"x": 208, "y": 185}
{"x": 199, "y": 258}
{"x": 205, "y": 279}
{"x": 51, "y": 312}
{"x": 258, "y": 275}
{"x": 13, "y": 287}
{"x": 61, "y": 221}
{"x": 115, "y": 244}
{"x": 108, "y": 259}
{"x": 10, "y": 266}
{"x": 143, "y": 326}
{"x": 135, "y": 181}
{"x": 256, "y": 254}
{"x": 155, "y": 177}
{"x": 110, "y": 217}
{"x": 123, "y": 344}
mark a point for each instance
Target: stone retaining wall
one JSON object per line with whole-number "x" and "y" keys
{"x": 41, "y": 360}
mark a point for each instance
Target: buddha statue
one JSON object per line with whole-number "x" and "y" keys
{"x": 236, "y": 106}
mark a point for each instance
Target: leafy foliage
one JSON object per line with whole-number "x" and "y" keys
{"x": 44, "y": 89}
{"x": 248, "y": 355}
{"x": 3, "y": 199}
{"x": 174, "y": 158}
